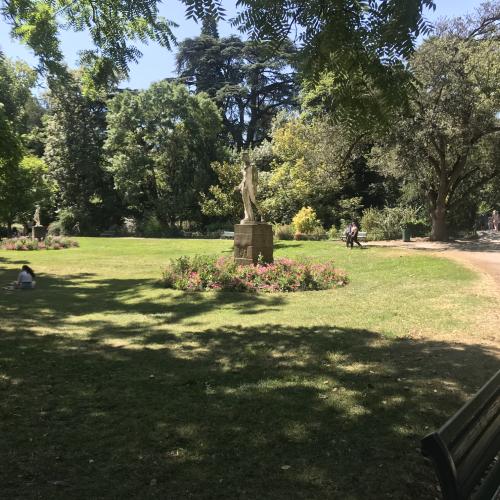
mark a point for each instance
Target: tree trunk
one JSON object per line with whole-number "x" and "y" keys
{"x": 439, "y": 230}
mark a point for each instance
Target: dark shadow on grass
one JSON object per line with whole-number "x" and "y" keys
{"x": 57, "y": 298}
{"x": 231, "y": 413}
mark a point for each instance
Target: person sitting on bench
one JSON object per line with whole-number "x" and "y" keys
{"x": 26, "y": 278}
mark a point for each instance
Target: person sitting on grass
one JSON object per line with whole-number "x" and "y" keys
{"x": 353, "y": 237}
{"x": 26, "y": 278}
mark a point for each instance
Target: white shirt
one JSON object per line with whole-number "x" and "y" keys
{"x": 24, "y": 277}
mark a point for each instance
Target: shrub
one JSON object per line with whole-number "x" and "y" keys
{"x": 305, "y": 221}
{"x": 283, "y": 232}
{"x": 66, "y": 221}
{"x": 386, "y": 224}
{"x": 203, "y": 273}
{"x": 49, "y": 243}
{"x": 333, "y": 233}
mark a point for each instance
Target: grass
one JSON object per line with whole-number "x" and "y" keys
{"x": 113, "y": 387}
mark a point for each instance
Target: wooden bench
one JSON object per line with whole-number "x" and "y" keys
{"x": 466, "y": 449}
{"x": 361, "y": 236}
{"x": 227, "y": 235}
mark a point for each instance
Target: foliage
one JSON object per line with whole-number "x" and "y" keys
{"x": 204, "y": 273}
{"x": 75, "y": 131}
{"x": 112, "y": 26}
{"x": 453, "y": 115}
{"x": 319, "y": 164}
{"x": 283, "y": 231}
{"x": 359, "y": 47}
{"x": 305, "y": 220}
{"x": 333, "y": 233}
{"x": 49, "y": 243}
{"x": 161, "y": 142}
{"x": 386, "y": 224}
{"x": 22, "y": 186}
{"x": 250, "y": 81}
{"x": 224, "y": 199}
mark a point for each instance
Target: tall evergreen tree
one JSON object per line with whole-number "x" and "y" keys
{"x": 75, "y": 131}
{"x": 250, "y": 81}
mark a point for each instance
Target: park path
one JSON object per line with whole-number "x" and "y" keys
{"x": 482, "y": 254}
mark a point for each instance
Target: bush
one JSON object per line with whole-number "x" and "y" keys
{"x": 283, "y": 232}
{"x": 333, "y": 233}
{"x": 49, "y": 243}
{"x": 386, "y": 224}
{"x": 66, "y": 221}
{"x": 305, "y": 221}
{"x": 55, "y": 229}
{"x": 203, "y": 273}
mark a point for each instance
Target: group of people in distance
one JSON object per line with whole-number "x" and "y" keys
{"x": 351, "y": 235}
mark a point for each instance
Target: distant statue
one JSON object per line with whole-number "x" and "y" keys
{"x": 36, "y": 217}
{"x": 248, "y": 188}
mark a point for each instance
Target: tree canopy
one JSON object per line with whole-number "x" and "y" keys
{"x": 454, "y": 115}
{"x": 160, "y": 144}
{"x": 250, "y": 81}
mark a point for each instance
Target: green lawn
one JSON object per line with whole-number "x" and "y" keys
{"x": 113, "y": 387}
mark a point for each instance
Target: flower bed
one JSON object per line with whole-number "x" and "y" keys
{"x": 49, "y": 243}
{"x": 204, "y": 273}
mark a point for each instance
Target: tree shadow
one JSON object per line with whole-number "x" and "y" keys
{"x": 57, "y": 298}
{"x": 269, "y": 412}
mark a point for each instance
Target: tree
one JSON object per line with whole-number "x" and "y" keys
{"x": 360, "y": 44}
{"x": 75, "y": 131}
{"x": 16, "y": 81}
{"x": 250, "y": 81}
{"x": 309, "y": 161}
{"x": 319, "y": 164}
{"x": 342, "y": 35}
{"x": 161, "y": 142}
{"x": 453, "y": 115}
{"x": 22, "y": 186}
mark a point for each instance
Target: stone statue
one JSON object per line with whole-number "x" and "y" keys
{"x": 248, "y": 188}
{"x": 36, "y": 217}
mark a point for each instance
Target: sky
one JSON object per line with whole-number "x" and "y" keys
{"x": 157, "y": 62}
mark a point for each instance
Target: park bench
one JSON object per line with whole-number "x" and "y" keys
{"x": 465, "y": 450}
{"x": 227, "y": 235}
{"x": 361, "y": 236}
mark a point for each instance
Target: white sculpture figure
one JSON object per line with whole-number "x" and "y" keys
{"x": 248, "y": 188}
{"x": 36, "y": 217}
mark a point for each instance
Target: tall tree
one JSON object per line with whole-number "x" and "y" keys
{"x": 250, "y": 81}
{"x": 454, "y": 112}
{"x": 161, "y": 142}
{"x": 75, "y": 132}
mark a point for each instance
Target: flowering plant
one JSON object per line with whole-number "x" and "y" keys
{"x": 283, "y": 275}
{"x": 49, "y": 243}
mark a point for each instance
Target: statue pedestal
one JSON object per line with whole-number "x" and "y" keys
{"x": 38, "y": 232}
{"x": 253, "y": 239}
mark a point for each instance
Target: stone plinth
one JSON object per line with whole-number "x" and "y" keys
{"x": 38, "y": 232}
{"x": 250, "y": 240}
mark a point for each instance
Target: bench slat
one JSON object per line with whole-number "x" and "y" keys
{"x": 471, "y": 471}
{"x": 464, "y": 448}
{"x": 491, "y": 487}
{"x": 452, "y": 429}
{"x": 471, "y": 433}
